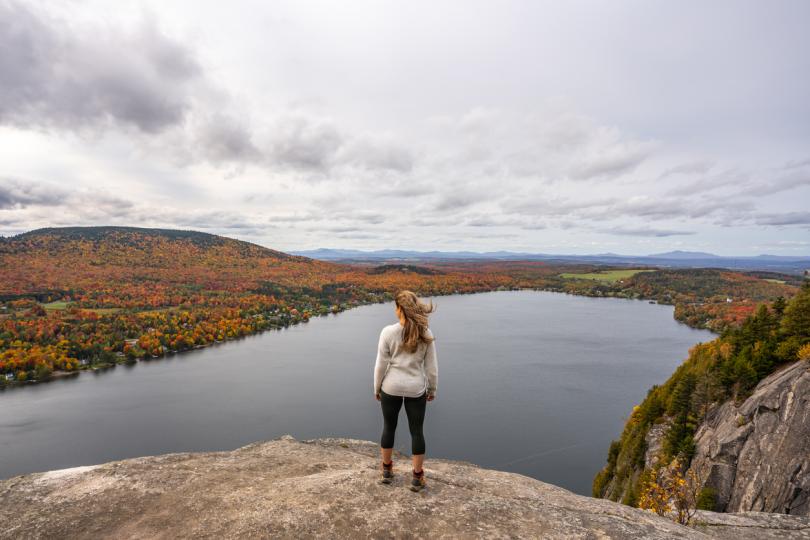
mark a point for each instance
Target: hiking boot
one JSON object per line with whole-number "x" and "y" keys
{"x": 418, "y": 481}
{"x": 387, "y": 472}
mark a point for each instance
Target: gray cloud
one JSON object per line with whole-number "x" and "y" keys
{"x": 660, "y": 208}
{"x": 406, "y": 187}
{"x": 255, "y": 124}
{"x": 750, "y": 184}
{"x": 427, "y": 221}
{"x": 785, "y": 218}
{"x": 377, "y": 154}
{"x": 217, "y": 219}
{"x": 713, "y": 182}
{"x": 19, "y": 194}
{"x": 357, "y": 236}
{"x": 84, "y": 207}
{"x": 658, "y": 233}
{"x": 612, "y": 161}
{"x": 294, "y": 218}
{"x": 223, "y": 138}
{"x": 798, "y": 176}
{"x": 534, "y": 226}
{"x": 58, "y": 76}
{"x": 457, "y": 200}
{"x": 304, "y": 142}
{"x": 54, "y": 76}
{"x": 693, "y": 167}
{"x": 373, "y": 218}
{"x": 301, "y": 142}
{"x": 796, "y": 164}
{"x": 553, "y": 206}
{"x": 337, "y": 228}
{"x": 554, "y": 142}
{"x": 489, "y": 221}
{"x": 16, "y": 194}
{"x": 641, "y": 206}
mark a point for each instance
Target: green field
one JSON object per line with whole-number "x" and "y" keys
{"x": 780, "y": 281}
{"x": 103, "y": 311}
{"x": 610, "y": 276}
{"x": 159, "y": 310}
{"x": 60, "y": 305}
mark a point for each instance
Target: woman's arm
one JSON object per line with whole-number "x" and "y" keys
{"x": 383, "y": 359}
{"x": 431, "y": 369}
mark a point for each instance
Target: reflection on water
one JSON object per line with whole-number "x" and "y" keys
{"x": 531, "y": 382}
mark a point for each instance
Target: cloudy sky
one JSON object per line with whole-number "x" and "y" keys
{"x": 560, "y": 127}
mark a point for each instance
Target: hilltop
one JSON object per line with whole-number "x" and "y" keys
{"x": 129, "y": 236}
{"x": 78, "y": 257}
{"x": 328, "y": 488}
{"x": 86, "y": 297}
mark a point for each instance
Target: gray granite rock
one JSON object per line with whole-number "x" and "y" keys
{"x": 323, "y": 488}
{"x": 757, "y": 456}
{"x": 655, "y": 442}
{"x": 760, "y": 525}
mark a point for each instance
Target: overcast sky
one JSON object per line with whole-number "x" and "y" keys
{"x": 560, "y": 127}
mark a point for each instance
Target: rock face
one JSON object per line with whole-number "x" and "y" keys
{"x": 757, "y": 456}
{"x": 655, "y": 442}
{"x": 329, "y": 488}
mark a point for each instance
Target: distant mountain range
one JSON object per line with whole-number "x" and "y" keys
{"x": 689, "y": 259}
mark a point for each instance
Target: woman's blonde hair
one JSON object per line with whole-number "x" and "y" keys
{"x": 416, "y": 319}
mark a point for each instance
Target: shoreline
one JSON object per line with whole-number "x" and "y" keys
{"x": 57, "y": 375}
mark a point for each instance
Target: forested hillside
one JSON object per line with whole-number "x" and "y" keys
{"x": 80, "y": 297}
{"x": 727, "y": 368}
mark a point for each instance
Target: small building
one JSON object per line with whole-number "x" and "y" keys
{"x": 728, "y": 299}
{"x": 9, "y": 376}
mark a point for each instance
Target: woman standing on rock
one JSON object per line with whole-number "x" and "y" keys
{"x": 406, "y": 372}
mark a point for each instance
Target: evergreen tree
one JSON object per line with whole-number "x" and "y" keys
{"x": 796, "y": 322}
{"x": 779, "y": 306}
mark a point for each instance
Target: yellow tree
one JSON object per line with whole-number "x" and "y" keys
{"x": 672, "y": 491}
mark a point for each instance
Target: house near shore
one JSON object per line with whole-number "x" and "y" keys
{"x": 9, "y": 376}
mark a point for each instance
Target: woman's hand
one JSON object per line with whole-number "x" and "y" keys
{"x": 377, "y": 395}
{"x": 430, "y": 397}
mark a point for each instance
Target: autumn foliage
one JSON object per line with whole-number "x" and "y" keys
{"x": 672, "y": 491}
{"x": 726, "y": 368}
{"x": 72, "y": 298}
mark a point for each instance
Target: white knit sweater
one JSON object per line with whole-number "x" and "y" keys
{"x": 401, "y": 373}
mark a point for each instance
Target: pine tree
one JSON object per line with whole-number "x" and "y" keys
{"x": 796, "y": 322}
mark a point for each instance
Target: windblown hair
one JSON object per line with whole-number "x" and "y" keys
{"x": 416, "y": 320}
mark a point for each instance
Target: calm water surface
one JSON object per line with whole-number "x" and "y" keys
{"x": 531, "y": 382}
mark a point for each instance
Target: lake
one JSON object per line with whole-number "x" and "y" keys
{"x": 532, "y": 382}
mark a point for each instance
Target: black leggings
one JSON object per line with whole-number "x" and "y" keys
{"x": 414, "y": 408}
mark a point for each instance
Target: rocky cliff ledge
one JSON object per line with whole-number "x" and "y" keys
{"x": 756, "y": 456}
{"x": 286, "y": 488}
